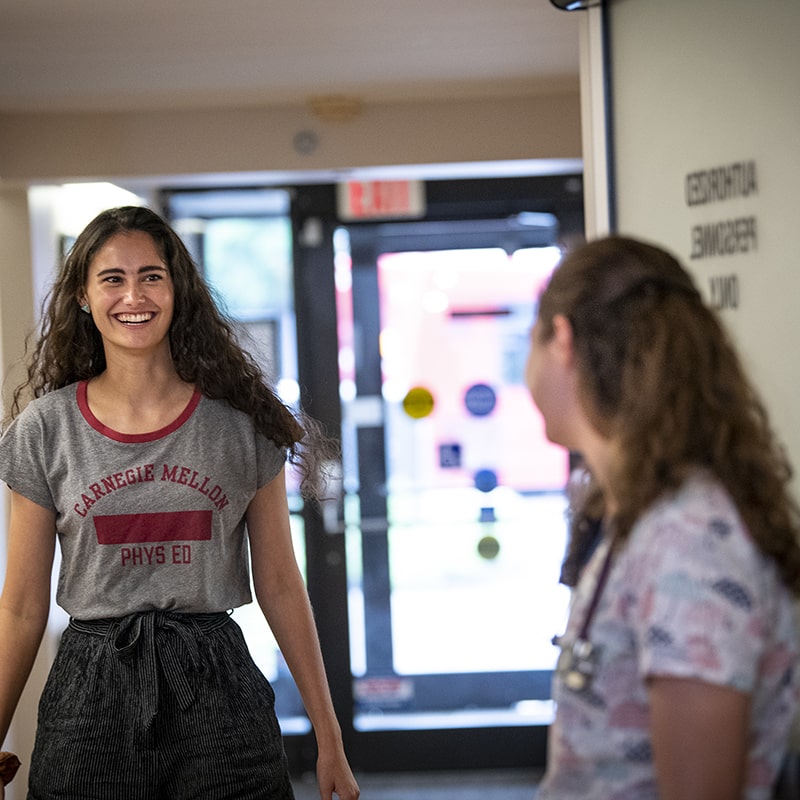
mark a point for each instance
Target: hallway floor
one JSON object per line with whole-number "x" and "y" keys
{"x": 466, "y": 785}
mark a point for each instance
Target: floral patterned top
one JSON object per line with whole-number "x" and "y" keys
{"x": 689, "y": 596}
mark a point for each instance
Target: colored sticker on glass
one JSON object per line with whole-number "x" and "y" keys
{"x": 480, "y": 399}
{"x": 418, "y": 402}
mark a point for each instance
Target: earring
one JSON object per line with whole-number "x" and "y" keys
{"x": 85, "y": 308}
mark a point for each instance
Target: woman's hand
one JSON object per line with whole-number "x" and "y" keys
{"x": 9, "y": 764}
{"x": 334, "y": 777}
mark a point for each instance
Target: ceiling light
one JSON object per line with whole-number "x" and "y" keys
{"x": 335, "y": 107}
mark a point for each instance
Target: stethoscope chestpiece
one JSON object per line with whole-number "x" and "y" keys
{"x": 577, "y": 663}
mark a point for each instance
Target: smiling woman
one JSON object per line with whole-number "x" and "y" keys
{"x": 147, "y": 413}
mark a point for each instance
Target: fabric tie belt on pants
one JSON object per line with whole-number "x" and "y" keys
{"x": 155, "y": 639}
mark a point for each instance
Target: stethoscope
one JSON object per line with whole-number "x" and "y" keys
{"x": 577, "y": 663}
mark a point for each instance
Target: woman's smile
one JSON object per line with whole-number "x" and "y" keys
{"x": 135, "y": 319}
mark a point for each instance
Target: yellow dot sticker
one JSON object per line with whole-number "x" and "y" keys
{"x": 418, "y": 402}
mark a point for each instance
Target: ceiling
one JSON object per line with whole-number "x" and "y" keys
{"x": 89, "y": 55}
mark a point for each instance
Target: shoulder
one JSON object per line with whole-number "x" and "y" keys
{"x": 692, "y": 543}
{"x": 699, "y": 509}
{"x": 55, "y": 399}
{"x": 219, "y": 412}
{"x": 704, "y": 600}
{"x": 67, "y": 397}
{"x": 221, "y": 416}
{"x": 44, "y": 408}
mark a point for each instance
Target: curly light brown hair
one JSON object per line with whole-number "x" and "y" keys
{"x": 659, "y": 374}
{"x": 204, "y": 346}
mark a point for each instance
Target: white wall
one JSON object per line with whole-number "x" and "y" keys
{"x": 700, "y": 85}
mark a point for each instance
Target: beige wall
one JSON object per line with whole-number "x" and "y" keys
{"x": 16, "y": 319}
{"x": 53, "y": 147}
{"x": 702, "y": 85}
{"x": 16, "y": 297}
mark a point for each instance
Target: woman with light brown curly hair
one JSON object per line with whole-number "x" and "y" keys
{"x": 154, "y": 452}
{"x": 678, "y": 675}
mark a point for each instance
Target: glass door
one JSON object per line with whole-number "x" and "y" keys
{"x": 454, "y": 511}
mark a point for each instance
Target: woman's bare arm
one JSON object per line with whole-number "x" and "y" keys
{"x": 283, "y": 598}
{"x": 699, "y": 733}
{"x": 25, "y": 601}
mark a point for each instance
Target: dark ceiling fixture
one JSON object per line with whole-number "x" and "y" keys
{"x": 575, "y": 5}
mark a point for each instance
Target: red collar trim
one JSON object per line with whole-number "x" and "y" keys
{"x": 133, "y": 438}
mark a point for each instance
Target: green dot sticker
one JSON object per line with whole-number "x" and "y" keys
{"x": 418, "y": 402}
{"x": 488, "y": 548}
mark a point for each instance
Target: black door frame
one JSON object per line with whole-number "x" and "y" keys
{"x": 314, "y": 221}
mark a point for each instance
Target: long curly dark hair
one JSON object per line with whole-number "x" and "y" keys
{"x": 659, "y": 374}
{"x": 204, "y": 346}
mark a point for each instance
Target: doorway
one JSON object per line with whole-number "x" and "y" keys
{"x": 434, "y": 571}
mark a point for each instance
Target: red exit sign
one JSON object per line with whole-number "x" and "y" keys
{"x": 360, "y": 200}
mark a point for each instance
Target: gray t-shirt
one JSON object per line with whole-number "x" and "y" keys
{"x": 146, "y": 521}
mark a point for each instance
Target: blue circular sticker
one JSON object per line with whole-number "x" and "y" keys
{"x": 485, "y": 480}
{"x": 480, "y": 399}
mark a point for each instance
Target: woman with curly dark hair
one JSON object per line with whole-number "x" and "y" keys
{"x": 678, "y": 675}
{"x": 151, "y": 447}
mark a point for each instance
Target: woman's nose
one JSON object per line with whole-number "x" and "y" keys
{"x": 134, "y": 294}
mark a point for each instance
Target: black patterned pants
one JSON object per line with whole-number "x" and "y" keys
{"x": 157, "y": 706}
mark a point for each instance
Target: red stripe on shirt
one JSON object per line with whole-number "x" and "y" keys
{"x": 167, "y": 526}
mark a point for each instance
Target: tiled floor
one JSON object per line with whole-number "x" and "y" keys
{"x": 479, "y": 785}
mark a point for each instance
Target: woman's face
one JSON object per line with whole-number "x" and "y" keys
{"x": 130, "y": 293}
{"x": 551, "y": 380}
